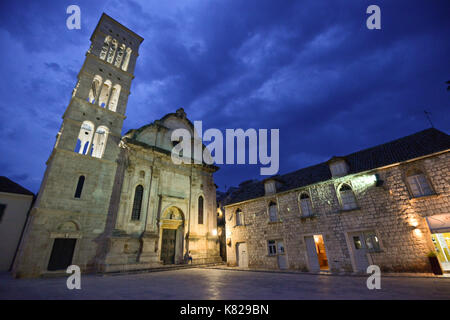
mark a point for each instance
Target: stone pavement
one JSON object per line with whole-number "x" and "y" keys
{"x": 211, "y": 283}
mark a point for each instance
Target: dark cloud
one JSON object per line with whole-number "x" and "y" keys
{"x": 310, "y": 68}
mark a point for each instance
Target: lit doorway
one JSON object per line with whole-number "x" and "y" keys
{"x": 316, "y": 252}
{"x": 440, "y": 235}
{"x": 441, "y": 243}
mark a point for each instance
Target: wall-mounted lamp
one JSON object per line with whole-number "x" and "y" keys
{"x": 229, "y": 242}
{"x": 378, "y": 181}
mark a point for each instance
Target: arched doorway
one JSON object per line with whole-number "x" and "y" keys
{"x": 172, "y": 236}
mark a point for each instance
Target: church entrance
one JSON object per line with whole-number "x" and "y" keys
{"x": 62, "y": 253}
{"x": 168, "y": 246}
{"x": 172, "y": 236}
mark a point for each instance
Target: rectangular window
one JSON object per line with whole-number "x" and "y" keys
{"x": 2, "y": 211}
{"x": 348, "y": 200}
{"x": 272, "y": 246}
{"x": 419, "y": 185}
{"x": 306, "y": 207}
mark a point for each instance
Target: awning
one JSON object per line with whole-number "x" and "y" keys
{"x": 439, "y": 223}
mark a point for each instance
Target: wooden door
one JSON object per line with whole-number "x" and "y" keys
{"x": 311, "y": 251}
{"x": 168, "y": 246}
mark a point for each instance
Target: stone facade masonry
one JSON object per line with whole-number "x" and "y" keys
{"x": 397, "y": 218}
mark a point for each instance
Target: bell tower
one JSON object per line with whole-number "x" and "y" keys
{"x": 72, "y": 206}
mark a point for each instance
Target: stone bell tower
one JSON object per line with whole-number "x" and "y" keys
{"x": 72, "y": 206}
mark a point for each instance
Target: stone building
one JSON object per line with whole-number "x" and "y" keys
{"x": 387, "y": 205}
{"x": 15, "y": 203}
{"x": 111, "y": 203}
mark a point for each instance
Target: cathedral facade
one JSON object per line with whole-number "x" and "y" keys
{"x": 110, "y": 203}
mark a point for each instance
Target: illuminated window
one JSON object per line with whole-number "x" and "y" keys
{"x": 419, "y": 185}
{"x": 305, "y": 205}
{"x": 348, "y": 200}
{"x": 136, "y": 212}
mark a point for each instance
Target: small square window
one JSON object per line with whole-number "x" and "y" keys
{"x": 272, "y": 246}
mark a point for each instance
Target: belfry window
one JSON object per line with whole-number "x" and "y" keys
{"x": 85, "y": 137}
{"x": 95, "y": 88}
{"x": 104, "y": 94}
{"x": 99, "y": 143}
{"x": 126, "y": 60}
{"x": 79, "y": 187}
{"x": 200, "y": 210}
{"x": 119, "y": 55}
{"x": 137, "y": 203}
{"x": 112, "y": 51}
{"x": 115, "y": 93}
{"x": 105, "y": 48}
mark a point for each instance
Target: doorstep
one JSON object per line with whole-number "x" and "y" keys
{"x": 342, "y": 274}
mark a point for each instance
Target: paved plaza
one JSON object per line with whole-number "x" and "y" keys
{"x": 209, "y": 283}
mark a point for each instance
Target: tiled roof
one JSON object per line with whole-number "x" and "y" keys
{"x": 413, "y": 146}
{"x": 7, "y": 185}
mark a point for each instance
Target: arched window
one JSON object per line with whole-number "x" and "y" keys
{"x": 79, "y": 187}
{"x": 85, "y": 137}
{"x": 112, "y": 51}
{"x": 137, "y": 203}
{"x": 104, "y": 94}
{"x": 273, "y": 211}
{"x": 418, "y": 184}
{"x": 105, "y": 48}
{"x": 119, "y": 55}
{"x": 348, "y": 199}
{"x": 95, "y": 88}
{"x": 126, "y": 60}
{"x": 239, "y": 217}
{"x": 115, "y": 93}
{"x": 200, "y": 210}
{"x": 99, "y": 144}
{"x": 305, "y": 205}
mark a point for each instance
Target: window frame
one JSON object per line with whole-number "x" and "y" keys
{"x": 200, "y": 213}
{"x": 347, "y": 192}
{"x": 309, "y": 200}
{"x": 415, "y": 176}
{"x": 137, "y": 216}
{"x": 238, "y": 221}
{"x": 78, "y": 188}
{"x": 277, "y": 214}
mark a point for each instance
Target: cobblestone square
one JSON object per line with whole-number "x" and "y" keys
{"x": 206, "y": 283}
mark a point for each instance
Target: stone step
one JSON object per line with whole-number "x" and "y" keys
{"x": 163, "y": 268}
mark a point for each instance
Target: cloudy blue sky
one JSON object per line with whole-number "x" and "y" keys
{"x": 310, "y": 68}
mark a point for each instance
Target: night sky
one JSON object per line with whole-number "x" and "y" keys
{"x": 310, "y": 68}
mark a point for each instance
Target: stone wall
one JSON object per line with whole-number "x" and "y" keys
{"x": 397, "y": 218}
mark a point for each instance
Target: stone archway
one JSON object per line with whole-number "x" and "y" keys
{"x": 172, "y": 236}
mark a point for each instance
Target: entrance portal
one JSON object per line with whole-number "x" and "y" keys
{"x": 172, "y": 236}
{"x": 168, "y": 246}
{"x": 317, "y": 255}
{"x": 62, "y": 254}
